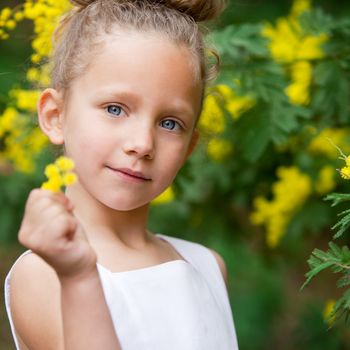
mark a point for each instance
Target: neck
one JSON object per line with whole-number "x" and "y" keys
{"x": 104, "y": 225}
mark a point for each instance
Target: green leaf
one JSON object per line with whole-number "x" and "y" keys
{"x": 342, "y": 306}
{"x": 344, "y": 224}
{"x": 320, "y": 254}
{"x": 337, "y": 198}
{"x": 346, "y": 253}
{"x": 252, "y": 141}
{"x": 312, "y": 273}
{"x": 337, "y": 252}
{"x": 344, "y": 281}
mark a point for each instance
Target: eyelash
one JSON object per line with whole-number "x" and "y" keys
{"x": 117, "y": 106}
{"x": 177, "y": 127}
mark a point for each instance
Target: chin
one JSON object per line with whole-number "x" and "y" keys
{"x": 124, "y": 205}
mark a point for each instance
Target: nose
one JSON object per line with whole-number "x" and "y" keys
{"x": 140, "y": 142}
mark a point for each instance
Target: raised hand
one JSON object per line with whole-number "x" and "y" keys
{"x": 50, "y": 229}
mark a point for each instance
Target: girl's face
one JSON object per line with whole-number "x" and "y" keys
{"x": 129, "y": 119}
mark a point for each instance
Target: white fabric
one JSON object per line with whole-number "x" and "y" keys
{"x": 177, "y": 305}
{"x": 7, "y": 299}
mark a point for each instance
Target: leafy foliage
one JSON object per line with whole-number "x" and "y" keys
{"x": 335, "y": 258}
{"x": 338, "y": 260}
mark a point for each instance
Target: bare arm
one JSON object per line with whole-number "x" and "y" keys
{"x": 56, "y": 294}
{"x": 222, "y": 265}
{"x": 84, "y": 309}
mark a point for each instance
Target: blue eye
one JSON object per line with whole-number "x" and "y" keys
{"x": 170, "y": 124}
{"x": 114, "y": 110}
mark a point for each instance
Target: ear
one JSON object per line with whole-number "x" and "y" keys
{"x": 50, "y": 115}
{"x": 193, "y": 143}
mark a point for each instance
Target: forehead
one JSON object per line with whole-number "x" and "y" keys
{"x": 145, "y": 63}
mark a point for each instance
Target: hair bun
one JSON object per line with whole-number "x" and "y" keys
{"x": 81, "y": 3}
{"x": 200, "y": 10}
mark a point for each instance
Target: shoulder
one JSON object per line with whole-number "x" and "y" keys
{"x": 193, "y": 249}
{"x": 35, "y": 303}
{"x": 222, "y": 265}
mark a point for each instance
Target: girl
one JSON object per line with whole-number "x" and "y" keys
{"x": 127, "y": 89}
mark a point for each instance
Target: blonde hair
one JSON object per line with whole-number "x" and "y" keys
{"x": 80, "y": 33}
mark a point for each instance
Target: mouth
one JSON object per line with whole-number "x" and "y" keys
{"x": 130, "y": 174}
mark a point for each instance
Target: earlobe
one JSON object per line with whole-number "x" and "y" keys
{"x": 50, "y": 114}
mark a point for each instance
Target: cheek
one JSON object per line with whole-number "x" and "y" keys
{"x": 82, "y": 135}
{"x": 174, "y": 158}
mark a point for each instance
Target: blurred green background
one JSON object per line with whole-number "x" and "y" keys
{"x": 212, "y": 206}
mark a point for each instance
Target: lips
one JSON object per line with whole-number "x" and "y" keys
{"x": 137, "y": 175}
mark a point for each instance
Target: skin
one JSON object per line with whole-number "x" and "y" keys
{"x": 129, "y": 110}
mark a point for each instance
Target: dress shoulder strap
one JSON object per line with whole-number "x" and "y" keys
{"x": 204, "y": 261}
{"x": 7, "y": 291}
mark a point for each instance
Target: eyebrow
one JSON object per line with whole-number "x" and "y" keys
{"x": 176, "y": 107}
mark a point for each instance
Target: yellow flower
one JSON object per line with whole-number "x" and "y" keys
{"x": 328, "y": 310}
{"x": 289, "y": 193}
{"x": 33, "y": 74}
{"x": 26, "y": 100}
{"x": 8, "y": 120}
{"x": 45, "y": 17}
{"x": 262, "y": 213}
{"x": 301, "y": 71}
{"x": 298, "y": 93}
{"x": 5, "y": 13}
{"x": 289, "y": 44}
{"x": 235, "y": 105}
{"x": 212, "y": 119}
{"x": 298, "y": 90}
{"x": 288, "y": 41}
{"x": 310, "y": 47}
{"x": 325, "y": 182}
{"x": 8, "y": 21}
{"x": 284, "y": 40}
{"x": 64, "y": 163}
{"x": 324, "y": 142}
{"x": 52, "y": 170}
{"x": 11, "y": 24}
{"x": 36, "y": 141}
{"x": 166, "y": 197}
{"x": 275, "y": 230}
{"x": 21, "y": 142}
{"x": 39, "y": 75}
{"x": 3, "y": 35}
{"x": 69, "y": 179}
{"x": 219, "y": 149}
{"x": 54, "y": 184}
{"x": 59, "y": 174}
{"x": 18, "y": 16}
{"x": 300, "y": 6}
{"x": 345, "y": 173}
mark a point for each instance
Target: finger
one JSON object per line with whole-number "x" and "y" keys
{"x": 43, "y": 218}
{"x": 51, "y": 237}
{"x": 41, "y": 198}
{"x": 70, "y": 206}
{"x": 61, "y": 198}
{"x": 66, "y": 226}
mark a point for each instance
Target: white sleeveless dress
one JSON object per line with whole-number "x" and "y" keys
{"x": 176, "y": 305}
